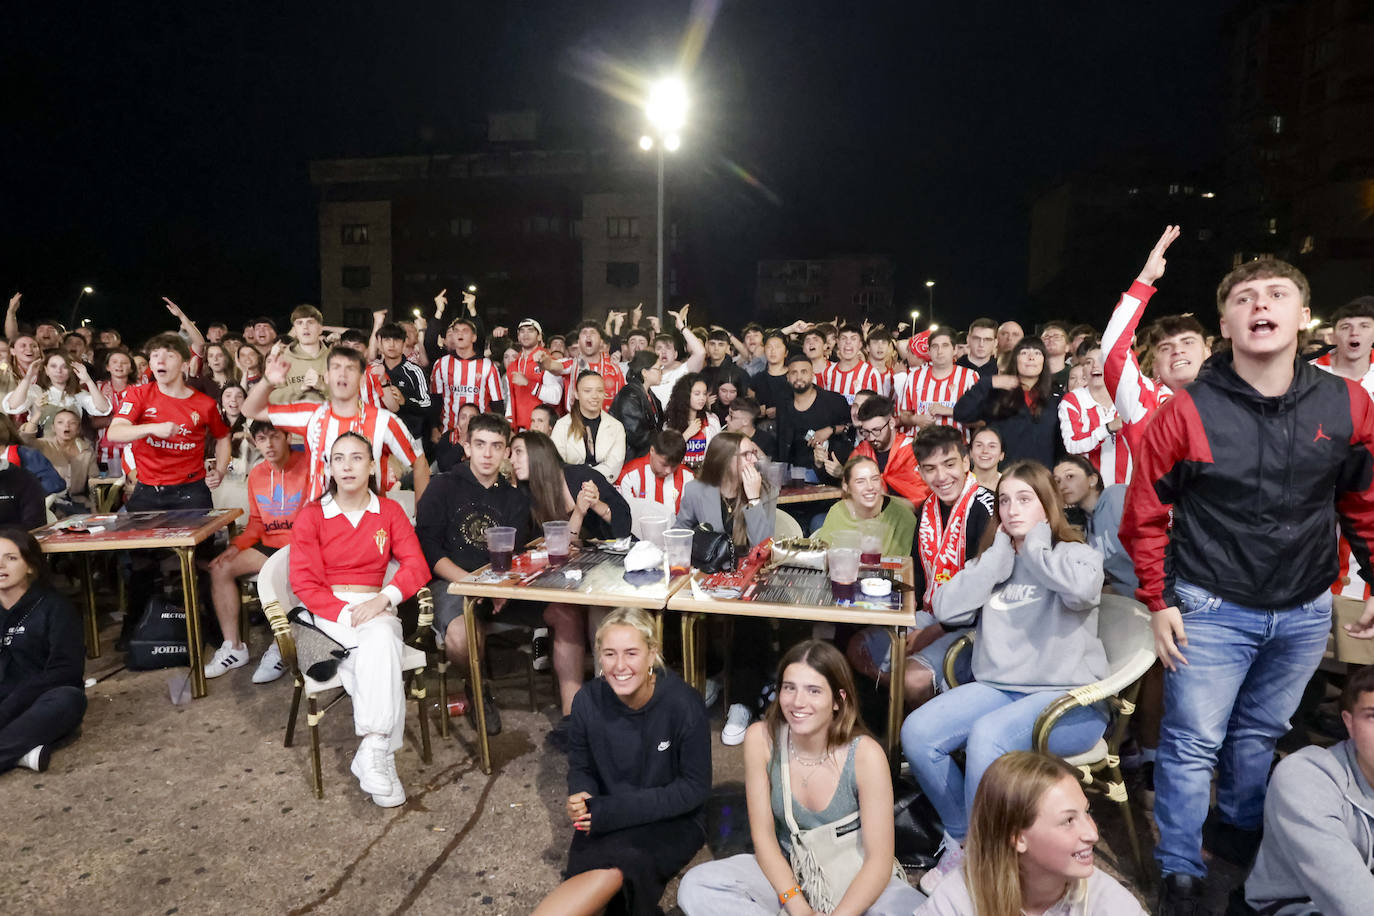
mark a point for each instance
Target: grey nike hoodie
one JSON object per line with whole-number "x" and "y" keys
{"x": 1038, "y": 627}
{"x": 1318, "y": 847}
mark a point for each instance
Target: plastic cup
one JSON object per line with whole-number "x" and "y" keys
{"x": 500, "y": 547}
{"x": 652, "y": 528}
{"x": 558, "y": 542}
{"x": 777, "y": 473}
{"x": 843, "y": 563}
{"x": 798, "y": 476}
{"x": 846, "y": 540}
{"x": 677, "y": 552}
{"x": 871, "y": 542}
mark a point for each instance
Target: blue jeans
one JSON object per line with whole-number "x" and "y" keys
{"x": 986, "y": 722}
{"x": 1227, "y": 708}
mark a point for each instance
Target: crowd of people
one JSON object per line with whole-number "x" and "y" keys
{"x": 1226, "y": 483}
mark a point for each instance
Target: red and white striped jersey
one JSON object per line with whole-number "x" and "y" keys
{"x": 924, "y": 390}
{"x": 885, "y": 381}
{"x": 524, "y": 398}
{"x": 1083, "y": 424}
{"x": 602, "y": 365}
{"x": 457, "y": 381}
{"x": 370, "y": 386}
{"x": 637, "y": 479}
{"x": 1349, "y": 583}
{"x": 848, "y": 382}
{"x": 1366, "y": 380}
{"x": 1135, "y": 396}
{"x": 319, "y": 426}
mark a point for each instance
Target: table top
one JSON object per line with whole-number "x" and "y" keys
{"x": 133, "y": 530}
{"x": 603, "y": 583}
{"x": 808, "y": 493}
{"x": 819, "y": 607}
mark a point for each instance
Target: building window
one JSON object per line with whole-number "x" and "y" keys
{"x": 357, "y": 278}
{"x": 357, "y": 318}
{"x": 1173, "y": 190}
{"x": 622, "y": 227}
{"x": 1276, "y": 124}
{"x": 1272, "y": 226}
{"x": 622, "y": 274}
{"x": 355, "y": 234}
{"x": 460, "y": 227}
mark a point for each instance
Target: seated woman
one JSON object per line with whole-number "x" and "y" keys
{"x": 1030, "y": 848}
{"x": 812, "y": 742}
{"x": 1037, "y": 586}
{"x": 866, "y": 501}
{"x": 588, "y": 434}
{"x": 581, "y": 496}
{"x": 71, "y": 455}
{"x": 42, "y": 657}
{"x": 635, "y": 405}
{"x": 686, "y": 412}
{"x": 340, "y": 547}
{"x": 639, "y": 774}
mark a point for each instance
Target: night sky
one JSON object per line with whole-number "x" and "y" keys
{"x": 162, "y": 149}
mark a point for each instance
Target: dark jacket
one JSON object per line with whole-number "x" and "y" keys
{"x": 593, "y": 527}
{"x": 641, "y": 415}
{"x": 455, "y": 512}
{"x": 640, "y": 765}
{"x": 1254, "y": 486}
{"x": 420, "y": 409}
{"x": 1023, "y": 435}
{"x": 21, "y": 498}
{"x": 41, "y": 648}
{"x": 727, "y": 371}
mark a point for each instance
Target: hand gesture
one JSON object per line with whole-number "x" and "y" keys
{"x": 1005, "y": 382}
{"x": 441, "y": 302}
{"x": 470, "y": 301}
{"x": 176, "y": 311}
{"x": 379, "y": 318}
{"x": 311, "y": 380}
{"x": 924, "y": 419}
{"x": 518, "y": 378}
{"x": 1364, "y": 627}
{"x": 901, "y": 326}
{"x": 213, "y": 478}
{"x": 1170, "y": 636}
{"x": 83, "y": 375}
{"x": 654, "y": 323}
{"x": 14, "y": 302}
{"x": 165, "y": 430}
{"x": 750, "y": 480}
{"x": 587, "y": 497}
{"x": 392, "y": 398}
{"x": 692, "y": 429}
{"x": 1154, "y": 264}
{"x": 865, "y": 328}
{"x": 278, "y": 365}
{"x": 577, "y": 811}
{"x": 31, "y": 373}
{"x": 373, "y": 607}
{"x": 634, "y": 315}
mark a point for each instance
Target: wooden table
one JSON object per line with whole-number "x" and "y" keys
{"x": 896, "y": 622}
{"x": 808, "y": 493}
{"x": 602, "y": 584}
{"x": 179, "y": 530}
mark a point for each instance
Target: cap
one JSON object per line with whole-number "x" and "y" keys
{"x": 530, "y": 323}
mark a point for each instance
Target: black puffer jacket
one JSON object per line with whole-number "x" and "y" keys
{"x": 641, "y": 415}
{"x": 1256, "y": 485}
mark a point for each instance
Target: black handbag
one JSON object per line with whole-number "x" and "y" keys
{"x": 712, "y": 551}
{"x": 916, "y": 825}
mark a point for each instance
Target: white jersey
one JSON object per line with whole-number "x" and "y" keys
{"x": 924, "y": 390}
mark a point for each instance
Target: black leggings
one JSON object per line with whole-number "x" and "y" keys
{"x": 53, "y": 715}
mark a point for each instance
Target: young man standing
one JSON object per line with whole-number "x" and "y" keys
{"x": 813, "y": 345}
{"x": 719, "y": 366}
{"x": 660, "y": 475}
{"x": 320, "y": 424}
{"x": 1009, "y": 334}
{"x": 931, "y": 391}
{"x": 982, "y": 347}
{"x": 305, "y": 378}
{"x": 1240, "y": 480}
{"x": 526, "y": 374}
{"x": 589, "y": 356}
{"x": 462, "y": 376}
{"x": 850, "y": 374}
{"x": 1055, "y": 336}
{"x": 752, "y": 360}
{"x": 1354, "y": 335}
{"x": 276, "y": 492}
{"x": 875, "y": 429}
{"x": 878, "y": 348}
{"x": 451, "y": 521}
{"x": 417, "y": 407}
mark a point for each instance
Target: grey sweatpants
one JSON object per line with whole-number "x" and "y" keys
{"x": 737, "y": 886}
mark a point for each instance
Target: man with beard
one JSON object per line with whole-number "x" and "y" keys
{"x": 810, "y": 418}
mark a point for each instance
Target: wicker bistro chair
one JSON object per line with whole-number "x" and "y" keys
{"x": 1123, "y": 625}
{"x": 274, "y": 591}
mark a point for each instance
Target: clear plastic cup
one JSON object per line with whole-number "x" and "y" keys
{"x": 798, "y": 475}
{"x": 871, "y": 537}
{"x": 677, "y": 551}
{"x": 652, "y": 528}
{"x": 500, "y": 547}
{"x": 558, "y": 542}
{"x": 843, "y": 563}
{"x": 847, "y": 540}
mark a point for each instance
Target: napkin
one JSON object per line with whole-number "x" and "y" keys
{"x": 644, "y": 555}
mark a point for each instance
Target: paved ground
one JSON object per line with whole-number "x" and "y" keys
{"x": 161, "y": 809}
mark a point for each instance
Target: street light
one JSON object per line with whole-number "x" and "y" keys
{"x": 85, "y": 291}
{"x": 666, "y": 112}
{"x": 930, "y": 298}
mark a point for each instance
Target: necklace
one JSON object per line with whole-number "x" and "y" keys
{"x": 808, "y": 763}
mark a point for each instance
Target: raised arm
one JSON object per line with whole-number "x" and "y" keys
{"x": 197, "y": 339}
{"x": 274, "y": 371}
{"x": 1072, "y": 571}
{"x": 696, "y": 350}
{"x": 12, "y": 317}
{"x": 100, "y": 405}
{"x": 1120, "y": 370}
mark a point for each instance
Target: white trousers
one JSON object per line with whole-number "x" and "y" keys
{"x": 737, "y": 886}
{"x": 371, "y": 673}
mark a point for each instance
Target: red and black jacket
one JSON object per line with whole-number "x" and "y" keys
{"x": 1256, "y": 485}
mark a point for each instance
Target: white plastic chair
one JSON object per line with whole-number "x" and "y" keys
{"x": 785, "y": 526}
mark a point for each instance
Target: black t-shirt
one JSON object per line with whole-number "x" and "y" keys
{"x": 455, "y": 512}
{"x": 828, "y": 409}
{"x": 770, "y": 390}
{"x": 590, "y": 428}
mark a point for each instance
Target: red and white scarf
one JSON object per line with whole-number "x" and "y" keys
{"x": 942, "y": 548}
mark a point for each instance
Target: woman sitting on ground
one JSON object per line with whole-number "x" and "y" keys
{"x": 1030, "y": 848}
{"x": 340, "y": 547}
{"x": 581, "y": 496}
{"x": 639, "y": 774}
{"x": 42, "y": 657}
{"x": 812, "y": 743}
{"x": 1037, "y": 586}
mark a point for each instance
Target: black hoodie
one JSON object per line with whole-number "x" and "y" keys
{"x": 1256, "y": 485}
{"x": 41, "y": 647}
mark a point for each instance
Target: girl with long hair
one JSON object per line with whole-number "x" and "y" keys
{"x": 51, "y": 385}
{"x": 1030, "y": 848}
{"x": 219, "y": 372}
{"x": 587, "y": 434}
{"x": 250, "y": 364}
{"x": 639, "y": 774}
{"x": 687, "y": 413}
{"x": 1021, "y": 404}
{"x": 986, "y": 455}
{"x": 636, "y": 406}
{"x": 1034, "y": 591}
{"x": 340, "y": 547}
{"x": 812, "y": 741}
{"x": 866, "y": 503}
{"x": 119, "y": 372}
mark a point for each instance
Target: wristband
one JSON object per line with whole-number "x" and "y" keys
{"x": 788, "y": 894}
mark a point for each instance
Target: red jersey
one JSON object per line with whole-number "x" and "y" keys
{"x": 370, "y": 386}
{"x": 848, "y": 382}
{"x": 459, "y": 381}
{"x": 111, "y": 453}
{"x": 1136, "y": 397}
{"x": 1083, "y": 424}
{"x": 604, "y": 366}
{"x": 180, "y": 458}
{"x": 637, "y": 479}
{"x": 923, "y": 390}
{"x": 319, "y": 426}
{"x": 524, "y": 398}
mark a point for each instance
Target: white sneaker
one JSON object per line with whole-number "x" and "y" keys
{"x": 36, "y": 759}
{"x": 271, "y": 667}
{"x": 396, "y": 796}
{"x": 736, "y": 723}
{"x": 227, "y": 657}
{"x": 949, "y": 862}
{"x": 370, "y": 765}
{"x": 541, "y": 646}
{"x": 712, "y": 691}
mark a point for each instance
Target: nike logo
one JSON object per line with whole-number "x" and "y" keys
{"x": 1013, "y": 597}
{"x": 664, "y": 745}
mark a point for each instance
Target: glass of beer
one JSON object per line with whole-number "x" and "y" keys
{"x": 500, "y": 547}
{"x": 558, "y": 542}
{"x": 843, "y": 563}
{"x": 677, "y": 552}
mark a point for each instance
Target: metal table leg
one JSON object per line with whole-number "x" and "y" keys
{"x": 692, "y": 660}
{"x": 895, "y": 705}
{"x": 475, "y": 681}
{"x": 191, "y": 594}
{"x": 92, "y": 627}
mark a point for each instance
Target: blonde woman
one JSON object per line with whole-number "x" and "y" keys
{"x": 1030, "y": 849}
{"x": 639, "y": 774}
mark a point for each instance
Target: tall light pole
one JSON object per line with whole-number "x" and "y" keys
{"x": 930, "y": 300}
{"x": 666, "y": 111}
{"x": 85, "y": 291}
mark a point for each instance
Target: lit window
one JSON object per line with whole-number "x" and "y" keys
{"x": 1173, "y": 190}
{"x": 622, "y": 227}
{"x": 1276, "y": 124}
{"x": 355, "y": 234}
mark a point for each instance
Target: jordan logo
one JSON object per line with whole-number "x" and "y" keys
{"x": 1320, "y": 435}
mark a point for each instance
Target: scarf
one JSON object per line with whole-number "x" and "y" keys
{"x": 942, "y": 549}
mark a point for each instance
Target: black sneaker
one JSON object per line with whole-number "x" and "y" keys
{"x": 558, "y": 737}
{"x": 1234, "y": 844}
{"x": 493, "y": 713}
{"x": 542, "y": 647}
{"x": 1180, "y": 895}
